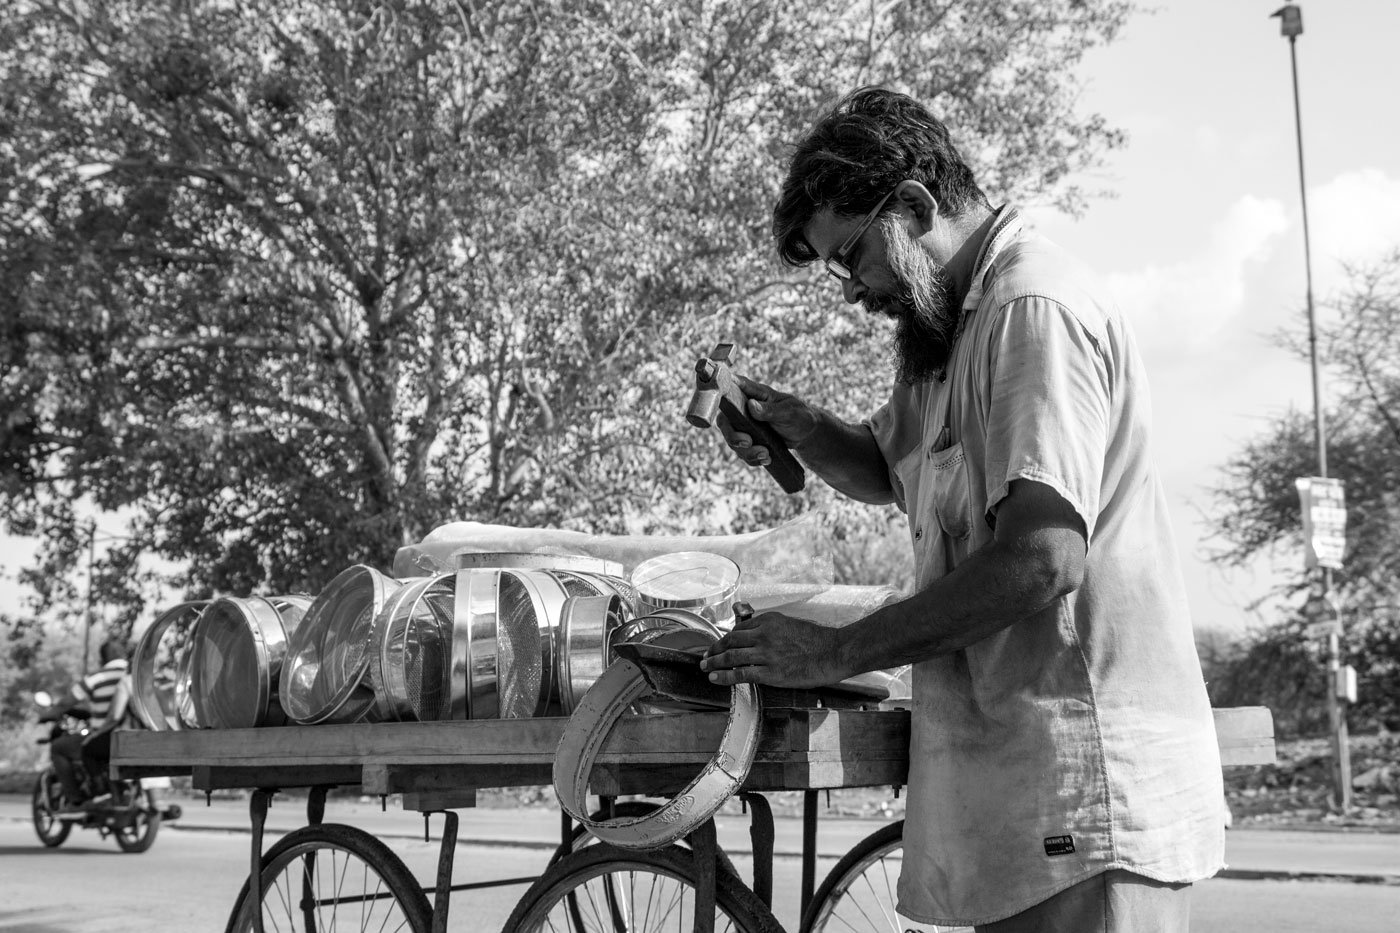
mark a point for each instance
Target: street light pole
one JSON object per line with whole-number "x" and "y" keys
{"x": 87, "y": 612}
{"x": 1291, "y": 26}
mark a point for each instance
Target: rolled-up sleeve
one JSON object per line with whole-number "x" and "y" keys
{"x": 1049, "y": 405}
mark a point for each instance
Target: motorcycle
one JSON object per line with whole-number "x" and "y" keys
{"x": 126, "y": 810}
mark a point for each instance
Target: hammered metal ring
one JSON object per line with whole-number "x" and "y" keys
{"x": 604, "y": 703}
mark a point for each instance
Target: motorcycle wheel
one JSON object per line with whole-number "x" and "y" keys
{"x": 139, "y": 833}
{"x": 47, "y": 801}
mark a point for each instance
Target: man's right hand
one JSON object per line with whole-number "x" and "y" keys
{"x": 791, "y": 418}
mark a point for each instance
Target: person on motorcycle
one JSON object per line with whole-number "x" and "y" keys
{"x": 101, "y": 692}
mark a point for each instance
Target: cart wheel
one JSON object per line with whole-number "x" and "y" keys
{"x": 334, "y": 878}
{"x": 604, "y": 888}
{"x": 859, "y": 893}
{"x": 140, "y": 834}
{"x": 47, "y": 801}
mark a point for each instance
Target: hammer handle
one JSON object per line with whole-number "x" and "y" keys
{"x": 782, "y": 465}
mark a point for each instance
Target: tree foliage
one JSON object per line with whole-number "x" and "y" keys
{"x": 290, "y": 283}
{"x": 1359, "y": 348}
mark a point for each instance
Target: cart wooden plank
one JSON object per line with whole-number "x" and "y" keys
{"x": 799, "y": 749}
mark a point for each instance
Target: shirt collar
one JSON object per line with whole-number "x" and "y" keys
{"x": 1007, "y": 227}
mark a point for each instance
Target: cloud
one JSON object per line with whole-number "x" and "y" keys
{"x": 1354, "y": 219}
{"x": 1185, "y": 304}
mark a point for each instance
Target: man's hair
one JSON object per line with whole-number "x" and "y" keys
{"x": 857, "y": 152}
{"x": 111, "y": 650}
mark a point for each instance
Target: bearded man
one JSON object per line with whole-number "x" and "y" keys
{"x": 1063, "y": 767}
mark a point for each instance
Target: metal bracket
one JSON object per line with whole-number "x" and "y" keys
{"x": 762, "y": 835}
{"x": 257, "y": 810}
{"x": 442, "y": 895}
{"x": 705, "y": 847}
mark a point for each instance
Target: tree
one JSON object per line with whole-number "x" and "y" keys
{"x": 1260, "y": 510}
{"x": 294, "y": 282}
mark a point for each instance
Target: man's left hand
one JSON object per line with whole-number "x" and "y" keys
{"x": 778, "y": 650}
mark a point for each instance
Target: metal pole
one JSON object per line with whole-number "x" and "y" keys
{"x": 87, "y": 614}
{"x": 1292, "y": 26}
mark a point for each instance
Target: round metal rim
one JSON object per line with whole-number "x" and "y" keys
{"x": 145, "y": 700}
{"x": 334, "y": 709}
{"x": 547, "y": 596}
{"x": 265, "y": 624}
{"x": 474, "y": 624}
{"x": 611, "y": 607}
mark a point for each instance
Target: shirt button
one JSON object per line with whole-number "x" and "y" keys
{"x": 918, "y": 533}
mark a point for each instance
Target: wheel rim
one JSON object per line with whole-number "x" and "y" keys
{"x": 326, "y": 888}
{"x": 45, "y": 805}
{"x": 618, "y": 899}
{"x": 865, "y": 900}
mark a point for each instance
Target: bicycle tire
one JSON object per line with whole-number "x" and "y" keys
{"x": 140, "y": 834}
{"x": 569, "y": 895}
{"x": 44, "y": 805}
{"x": 858, "y": 893}
{"x": 392, "y": 882}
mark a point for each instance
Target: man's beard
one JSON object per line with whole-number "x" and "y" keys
{"x": 926, "y": 321}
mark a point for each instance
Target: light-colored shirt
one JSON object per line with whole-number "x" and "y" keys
{"x": 1079, "y": 739}
{"x": 97, "y": 689}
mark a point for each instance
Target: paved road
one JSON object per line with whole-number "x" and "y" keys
{"x": 188, "y": 881}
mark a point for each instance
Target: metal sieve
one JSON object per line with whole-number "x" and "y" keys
{"x": 325, "y": 674}
{"x": 698, "y": 581}
{"x": 412, "y": 660}
{"x": 236, "y": 657}
{"x": 585, "y": 624}
{"x": 155, "y": 665}
{"x": 530, "y": 603}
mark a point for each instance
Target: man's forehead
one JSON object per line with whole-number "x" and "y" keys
{"x": 827, "y": 230}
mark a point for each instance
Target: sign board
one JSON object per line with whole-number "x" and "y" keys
{"x": 1312, "y": 630}
{"x": 1324, "y": 520}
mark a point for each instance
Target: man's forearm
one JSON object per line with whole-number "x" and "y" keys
{"x": 996, "y": 587}
{"x": 846, "y": 456}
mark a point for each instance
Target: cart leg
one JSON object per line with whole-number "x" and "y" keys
{"x": 809, "y": 846}
{"x": 446, "y": 854}
{"x": 257, "y": 810}
{"x": 761, "y": 835}
{"x": 316, "y": 804}
{"x": 706, "y": 849}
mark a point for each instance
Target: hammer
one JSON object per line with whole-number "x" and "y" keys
{"x": 717, "y": 390}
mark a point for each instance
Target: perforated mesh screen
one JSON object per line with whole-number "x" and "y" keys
{"x": 226, "y": 669}
{"x": 427, "y": 654}
{"x": 518, "y": 651}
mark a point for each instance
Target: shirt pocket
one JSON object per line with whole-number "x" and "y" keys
{"x": 948, "y": 490}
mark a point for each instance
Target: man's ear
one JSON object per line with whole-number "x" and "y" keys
{"x": 920, "y": 202}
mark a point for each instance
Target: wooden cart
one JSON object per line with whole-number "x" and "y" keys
{"x": 439, "y": 766}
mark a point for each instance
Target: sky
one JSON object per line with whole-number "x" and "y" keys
{"x": 1202, "y": 244}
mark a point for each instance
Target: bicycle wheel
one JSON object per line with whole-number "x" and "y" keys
{"x": 859, "y": 893}
{"x": 610, "y": 890}
{"x": 139, "y": 834}
{"x": 44, "y": 807}
{"x": 334, "y": 878}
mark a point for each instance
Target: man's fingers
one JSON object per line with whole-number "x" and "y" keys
{"x": 745, "y": 674}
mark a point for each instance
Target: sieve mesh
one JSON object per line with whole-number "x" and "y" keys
{"x": 427, "y": 653}
{"x": 226, "y": 669}
{"x": 518, "y": 650}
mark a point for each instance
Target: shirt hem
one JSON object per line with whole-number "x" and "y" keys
{"x": 1040, "y": 897}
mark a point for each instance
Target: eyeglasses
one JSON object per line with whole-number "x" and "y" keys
{"x": 838, "y": 266}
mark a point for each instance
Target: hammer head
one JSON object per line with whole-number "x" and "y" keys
{"x": 704, "y": 404}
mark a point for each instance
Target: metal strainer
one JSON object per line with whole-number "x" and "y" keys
{"x": 324, "y": 677}
{"x": 236, "y": 660}
{"x": 412, "y": 661}
{"x": 155, "y": 665}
